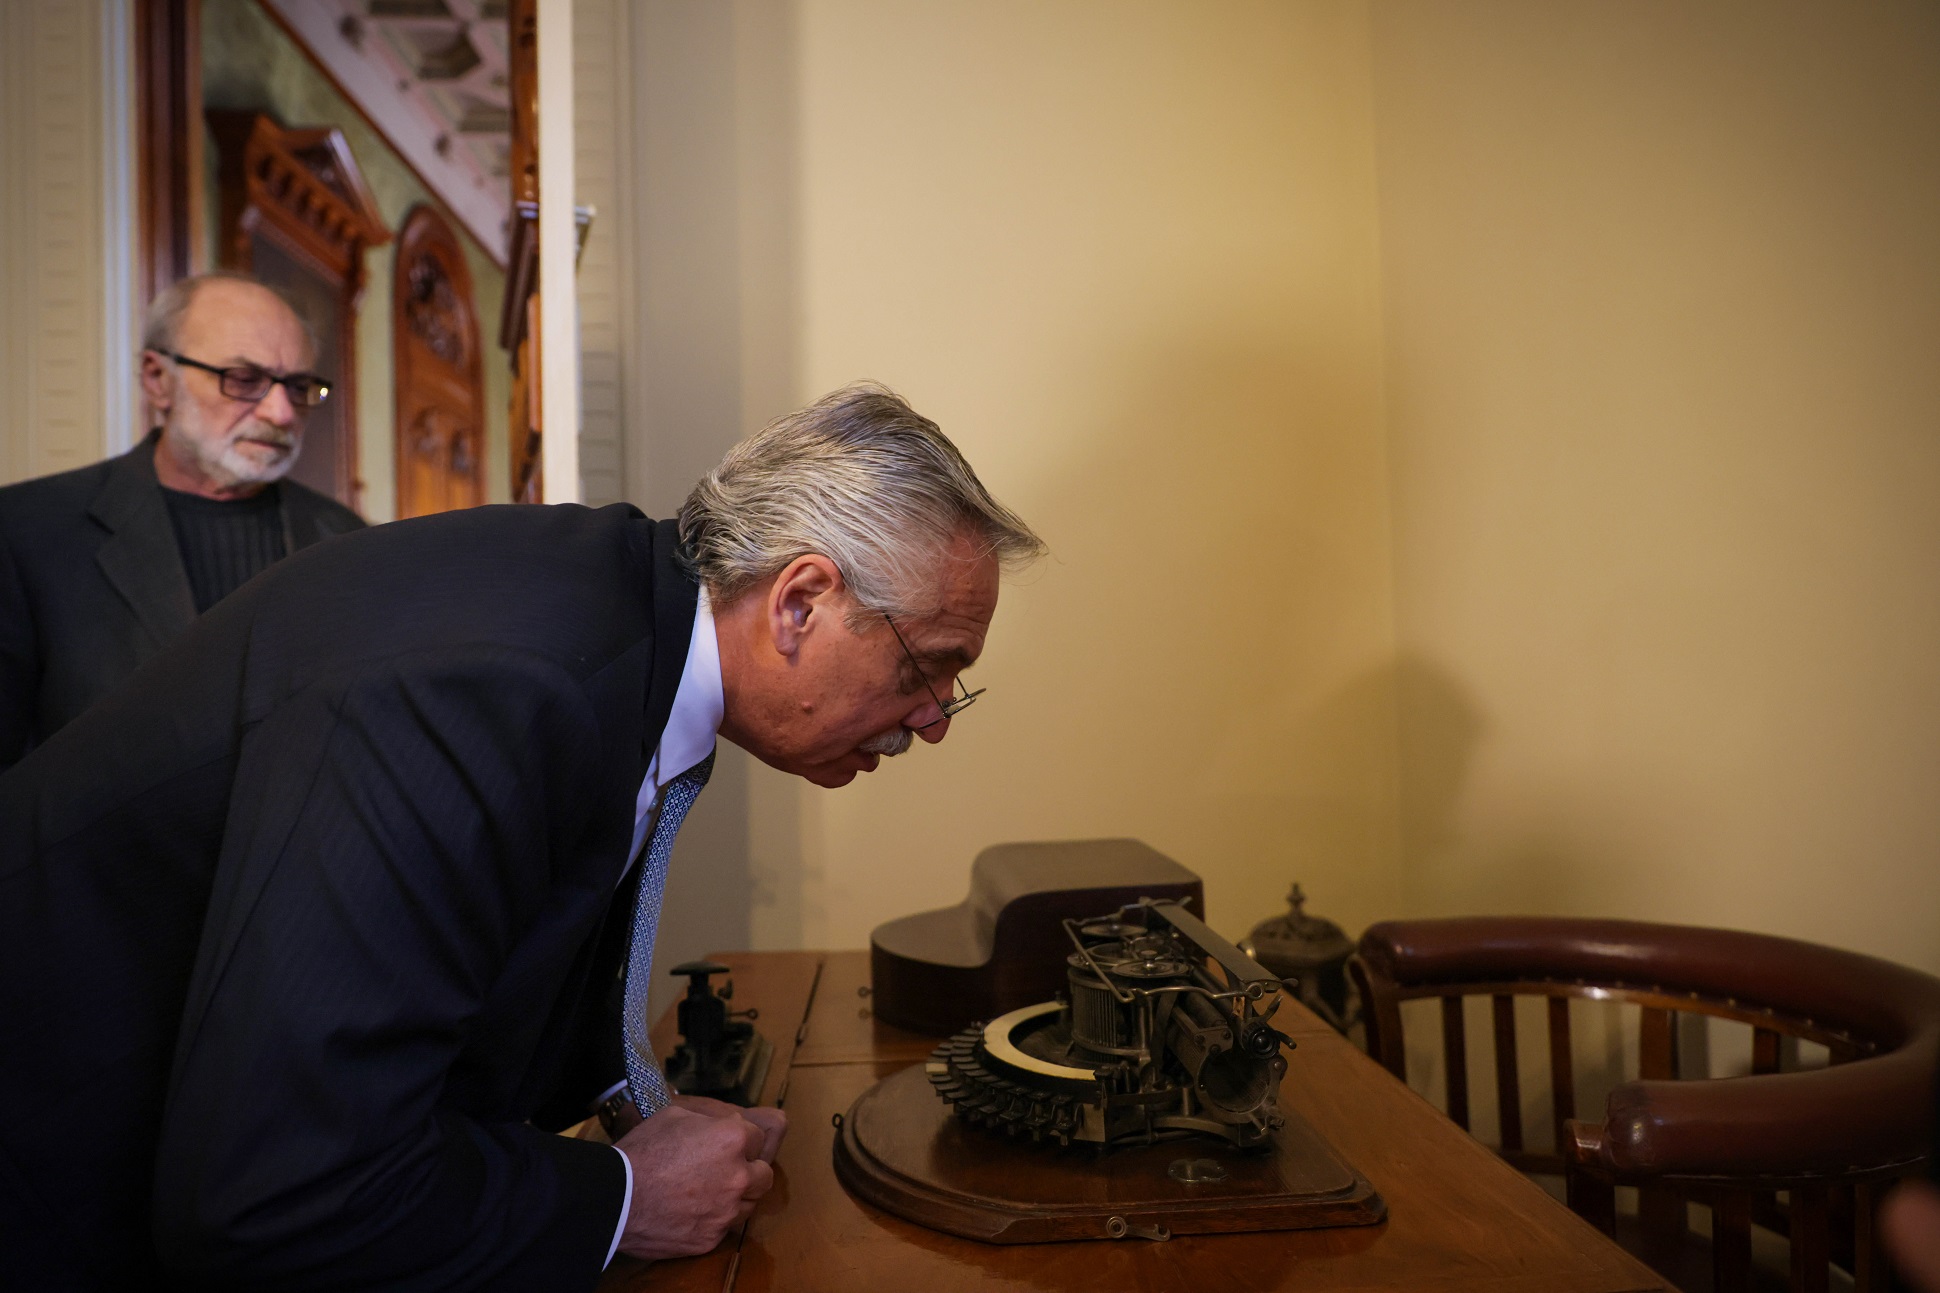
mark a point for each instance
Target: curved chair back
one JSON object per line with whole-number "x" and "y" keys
{"x": 1828, "y": 1137}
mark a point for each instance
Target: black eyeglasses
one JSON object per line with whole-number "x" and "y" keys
{"x": 956, "y": 704}
{"x": 250, "y": 383}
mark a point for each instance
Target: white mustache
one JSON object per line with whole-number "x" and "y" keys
{"x": 888, "y": 744}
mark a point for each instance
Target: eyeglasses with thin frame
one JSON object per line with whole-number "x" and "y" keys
{"x": 955, "y": 705}
{"x": 250, "y": 384}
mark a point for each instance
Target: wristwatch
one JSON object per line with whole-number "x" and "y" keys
{"x": 616, "y": 1112}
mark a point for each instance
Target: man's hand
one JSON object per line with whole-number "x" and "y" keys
{"x": 694, "y": 1177}
{"x": 773, "y": 1122}
{"x": 1910, "y": 1222}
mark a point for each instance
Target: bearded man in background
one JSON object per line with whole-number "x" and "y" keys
{"x": 102, "y": 567}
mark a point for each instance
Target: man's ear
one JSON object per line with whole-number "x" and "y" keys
{"x": 806, "y": 596}
{"x": 155, "y": 385}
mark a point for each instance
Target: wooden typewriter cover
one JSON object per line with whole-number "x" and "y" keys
{"x": 1004, "y": 946}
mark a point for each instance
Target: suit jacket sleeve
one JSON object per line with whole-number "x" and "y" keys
{"x": 19, "y": 663}
{"x": 390, "y": 848}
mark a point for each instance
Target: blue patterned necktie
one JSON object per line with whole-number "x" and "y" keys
{"x": 645, "y": 1082}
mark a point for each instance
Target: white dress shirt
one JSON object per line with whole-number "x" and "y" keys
{"x": 688, "y": 738}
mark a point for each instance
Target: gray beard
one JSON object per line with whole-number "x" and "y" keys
{"x": 227, "y": 466}
{"x": 889, "y": 744}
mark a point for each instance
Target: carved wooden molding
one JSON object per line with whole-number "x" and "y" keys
{"x": 438, "y": 370}
{"x": 304, "y": 182}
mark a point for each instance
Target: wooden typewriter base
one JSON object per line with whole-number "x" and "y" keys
{"x": 901, "y": 1149}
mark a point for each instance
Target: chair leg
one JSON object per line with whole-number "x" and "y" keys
{"x": 1591, "y": 1199}
{"x": 1664, "y": 1218}
{"x": 1811, "y": 1247}
{"x": 1865, "y": 1254}
{"x": 1731, "y": 1242}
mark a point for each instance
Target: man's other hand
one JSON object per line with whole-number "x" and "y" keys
{"x": 773, "y": 1122}
{"x": 1910, "y": 1222}
{"x": 694, "y": 1177}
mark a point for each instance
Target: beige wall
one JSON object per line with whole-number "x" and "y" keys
{"x": 1488, "y": 450}
{"x": 1663, "y": 310}
{"x": 1125, "y": 255}
{"x": 67, "y": 307}
{"x": 602, "y": 103}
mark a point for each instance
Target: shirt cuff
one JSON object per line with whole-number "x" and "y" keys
{"x": 626, "y": 1207}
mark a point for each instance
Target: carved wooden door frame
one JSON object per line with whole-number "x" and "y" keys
{"x": 436, "y": 360}
{"x": 168, "y": 140}
{"x": 518, "y": 328}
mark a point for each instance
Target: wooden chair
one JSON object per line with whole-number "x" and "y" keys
{"x": 1830, "y": 1138}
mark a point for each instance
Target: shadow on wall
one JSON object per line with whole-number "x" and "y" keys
{"x": 710, "y": 891}
{"x": 1439, "y": 728}
{"x": 1541, "y": 839}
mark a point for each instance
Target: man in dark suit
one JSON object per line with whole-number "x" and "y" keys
{"x": 311, "y": 934}
{"x": 102, "y": 567}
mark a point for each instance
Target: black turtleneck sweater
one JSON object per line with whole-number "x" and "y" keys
{"x": 225, "y": 542}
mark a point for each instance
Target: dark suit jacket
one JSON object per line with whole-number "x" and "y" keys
{"x": 298, "y": 930}
{"x": 92, "y": 585}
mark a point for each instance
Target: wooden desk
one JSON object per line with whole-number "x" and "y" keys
{"x": 1458, "y": 1217}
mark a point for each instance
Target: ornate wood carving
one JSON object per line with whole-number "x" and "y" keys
{"x": 300, "y": 185}
{"x": 296, "y": 213}
{"x": 432, "y": 311}
{"x": 440, "y": 384}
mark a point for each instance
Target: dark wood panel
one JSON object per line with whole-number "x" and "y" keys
{"x": 843, "y": 1028}
{"x": 168, "y": 87}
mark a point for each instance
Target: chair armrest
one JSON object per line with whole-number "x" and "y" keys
{"x": 1852, "y": 1117}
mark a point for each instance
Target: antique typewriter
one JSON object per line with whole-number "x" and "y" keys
{"x": 1114, "y": 1076}
{"x": 1149, "y": 1043}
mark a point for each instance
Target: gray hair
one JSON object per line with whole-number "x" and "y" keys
{"x": 161, "y": 324}
{"x": 861, "y": 478}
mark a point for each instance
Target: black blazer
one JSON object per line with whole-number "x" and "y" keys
{"x": 298, "y": 930}
{"x": 92, "y": 585}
